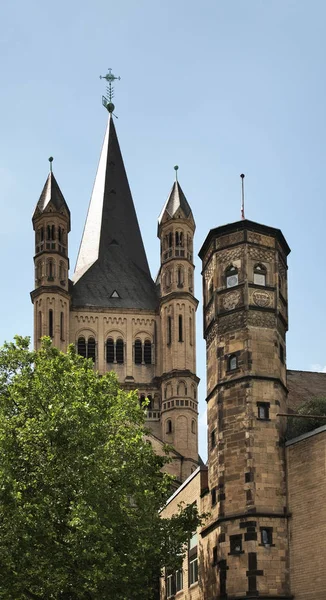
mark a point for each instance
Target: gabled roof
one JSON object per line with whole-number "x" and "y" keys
{"x": 111, "y": 255}
{"x": 51, "y": 195}
{"x": 176, "y": 200}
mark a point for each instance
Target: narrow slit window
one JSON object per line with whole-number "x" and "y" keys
{"x": 51, "y": 323}
{"x": 40, "y": 324}
{"x": 169, "y": 332}
{"x": 180, "y": 329}
{"x": 62, "y": 324}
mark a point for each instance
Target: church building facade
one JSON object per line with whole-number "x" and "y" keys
{"x": 112, "y": 310}
{"x": 264, "y": 496}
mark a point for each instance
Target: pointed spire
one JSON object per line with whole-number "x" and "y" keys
{"x": 176, "y": 200}
{"x": 51, "y": 196}
{"x": 111, "y": 256}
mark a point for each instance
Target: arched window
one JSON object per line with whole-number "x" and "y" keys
{"x": 138, "y": 352}
{"x": 150, "y": 402}
{"x": 168, "y": 426}
{"x": 260, "y": 274}
{"x": 147, "y": 352}
{"x": 167, "y": 278}
{"x": 91, "y": 348}
{"x": 50, "y": 269}
{"x": 81, "y": 346}
{"x": 231, "y": 275}
{"x": 170, "y": 239}
{"x": 193, "y": 426}
{"x": 50, "y": 232}
{"x": 119, "y": 351}
{"x": 109, "y": 350}
{"x": 62, "y": 272}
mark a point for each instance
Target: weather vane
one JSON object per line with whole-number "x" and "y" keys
{"x": 107, "y": 100}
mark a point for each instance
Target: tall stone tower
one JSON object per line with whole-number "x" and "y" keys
{"x": 112, "y": 310}
{"x": 177, "y": 321}
{"x": 51, "y": 298}
{"x": 245, "y": 323}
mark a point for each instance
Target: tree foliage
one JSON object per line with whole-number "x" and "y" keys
{"x": 80, "y": 488}
{"x": 301, "y": 425}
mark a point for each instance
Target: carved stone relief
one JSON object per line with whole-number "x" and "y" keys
{"x": 231, "y": 300}
{"x": 262, "y": 298}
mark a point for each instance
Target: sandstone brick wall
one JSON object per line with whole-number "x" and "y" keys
{"x": 189, "y": 493}
{"x": 306, "y": 478}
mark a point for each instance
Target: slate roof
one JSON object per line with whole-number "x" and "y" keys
{"x": 51, "y": 193}
{"x": 176, "y": 200}
{"x": 304, "y": 385}
{"x": 112, "y": 259}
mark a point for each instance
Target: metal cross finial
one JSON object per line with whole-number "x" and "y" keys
{"x": 107, "y": 100}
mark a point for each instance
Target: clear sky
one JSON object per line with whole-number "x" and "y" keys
{"x": 217, "y": 87}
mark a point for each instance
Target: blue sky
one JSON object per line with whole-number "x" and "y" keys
{"x": 218, "y": 88}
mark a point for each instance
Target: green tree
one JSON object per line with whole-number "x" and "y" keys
{"x": 300, "y": 425}
{"x": 80, "y": 488}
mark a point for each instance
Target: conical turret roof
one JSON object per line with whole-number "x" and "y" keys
{"x": 112, "y": 268}
{"x": 176, "y": 200}
{"x": 51, "y": 196}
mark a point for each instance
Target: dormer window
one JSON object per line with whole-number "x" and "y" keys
{"x": 231, "y": 275}
{"x": 260, "y": 274}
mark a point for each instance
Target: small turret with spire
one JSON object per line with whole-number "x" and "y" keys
{"x": 51, "y": 223}
{"x": 178, "y": 306}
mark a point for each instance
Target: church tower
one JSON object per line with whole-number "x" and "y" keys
{"x": 177, "y": 308}
{"x": 245, "y": 324}
{"x": 51, "y": 298}
{"x": 112, "y": 310}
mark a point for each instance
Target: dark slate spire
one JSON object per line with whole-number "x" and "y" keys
{"x": 176, "y": 200}
{"x": 51, "y": 198}
{"x": 112, "y": 268}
